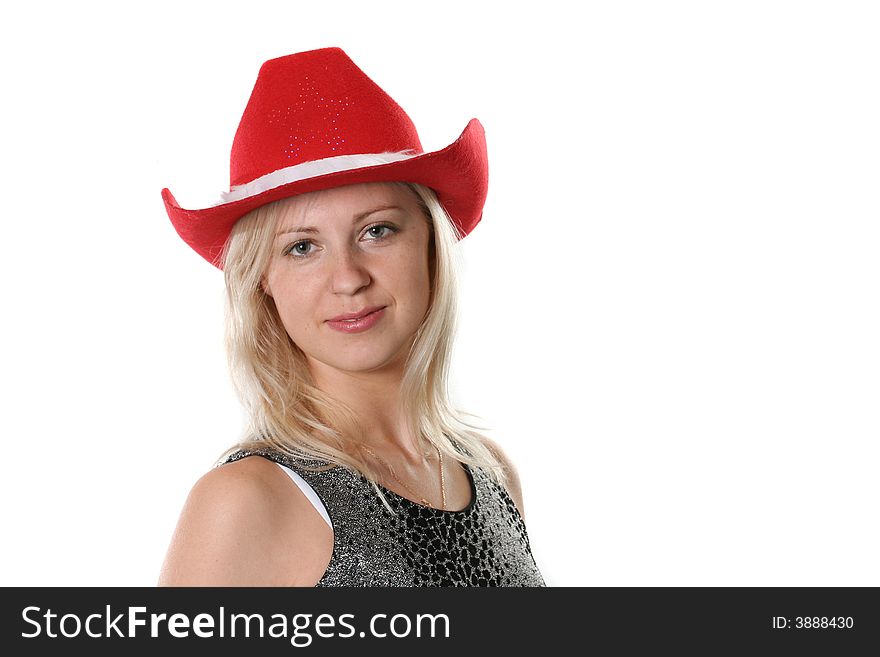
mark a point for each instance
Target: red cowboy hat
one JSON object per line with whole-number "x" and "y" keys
{"x": 314, "y": 120}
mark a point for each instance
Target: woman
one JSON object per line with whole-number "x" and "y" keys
{"x": 337, "y": 242}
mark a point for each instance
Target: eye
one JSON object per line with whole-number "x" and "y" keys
{"x": 380, "y": 226}
{"x": 296, "y": 251}
{"x": 293, "y": 249}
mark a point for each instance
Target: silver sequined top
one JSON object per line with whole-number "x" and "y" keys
{"x": 485, "y": 544}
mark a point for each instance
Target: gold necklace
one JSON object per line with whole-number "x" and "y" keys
{"x": 410, "y": 490}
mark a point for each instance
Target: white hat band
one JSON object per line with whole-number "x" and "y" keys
{"x": 311, "y": 169}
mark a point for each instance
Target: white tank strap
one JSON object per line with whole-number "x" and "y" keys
{"x": 308, "y": 491}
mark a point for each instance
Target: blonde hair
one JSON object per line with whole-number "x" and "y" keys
{"x": 271, "y": 376}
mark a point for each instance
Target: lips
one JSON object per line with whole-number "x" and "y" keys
{"x": 358, "y": 325}
{"x": 355, "y": 315}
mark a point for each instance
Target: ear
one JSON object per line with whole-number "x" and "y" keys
{"x": 432, "y": 256}
{"x": 265, "y": 285}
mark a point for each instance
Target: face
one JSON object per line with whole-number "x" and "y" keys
{"x": 340, "y": 251}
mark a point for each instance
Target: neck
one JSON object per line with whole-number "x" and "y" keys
{"x": 376, "y": 399}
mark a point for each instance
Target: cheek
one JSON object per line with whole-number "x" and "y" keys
{"x": 290, "y": 300}
{"x": 417, "y": 274}
{"x": 421, "y": 264}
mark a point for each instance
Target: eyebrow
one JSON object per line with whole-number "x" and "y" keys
{"x": 357, "y": 218}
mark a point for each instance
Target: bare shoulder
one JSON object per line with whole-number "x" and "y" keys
{"x": 514, "y": 487}
{"x": 246, "y": 523}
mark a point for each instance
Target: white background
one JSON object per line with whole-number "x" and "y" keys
{"x": 670, "y": 308}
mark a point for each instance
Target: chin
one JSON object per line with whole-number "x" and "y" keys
{"x": 370, "y": 358}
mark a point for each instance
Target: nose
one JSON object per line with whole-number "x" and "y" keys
{"x": 349, "y": 273}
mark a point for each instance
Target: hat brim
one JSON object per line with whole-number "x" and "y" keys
{"x": 457, "y": 173}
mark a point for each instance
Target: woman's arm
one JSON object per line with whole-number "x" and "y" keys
{"x": 246, "y": 524}
{"x": 514, "y": 488}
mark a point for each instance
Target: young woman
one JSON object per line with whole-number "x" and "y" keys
{"x": 337, "y": 241}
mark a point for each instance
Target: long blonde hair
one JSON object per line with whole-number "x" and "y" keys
{"x": 269, "y": 371}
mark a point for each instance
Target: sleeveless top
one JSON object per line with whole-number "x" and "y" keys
{"x": 484, "y": 544}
